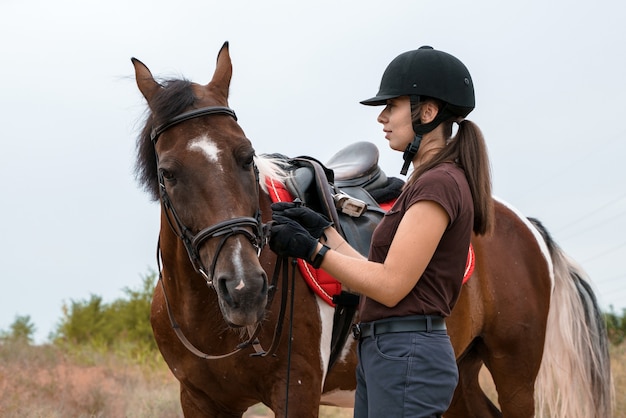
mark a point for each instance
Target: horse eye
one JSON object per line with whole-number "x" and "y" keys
{"x": 167, "y": 175}
{"x": 248, "y": 161}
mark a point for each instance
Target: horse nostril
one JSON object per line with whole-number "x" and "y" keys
{"x": 222, "y": 284}
{"x": 264, "y": 286}
{"x": 242, "y": 292}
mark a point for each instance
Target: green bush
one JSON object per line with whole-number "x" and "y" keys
{"x": 21, "y": 330}
{"x": 616, "y": 326}
{"x": 123, "y": 324}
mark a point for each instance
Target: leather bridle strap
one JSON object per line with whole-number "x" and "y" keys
{"x": 224, "y": 229}
{"x": 192, "y": 114}
{"x": 253, "y": 339}
{"x": 227, "y": 227}
{"x": 284, "y": 263}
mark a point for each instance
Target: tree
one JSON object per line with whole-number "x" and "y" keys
{"x": 124, "y": 321}
{"x": 616, "y": 326}
{"x": 21, "y": 330}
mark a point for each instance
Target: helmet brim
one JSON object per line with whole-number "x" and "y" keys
{"x": 380, "y": 100}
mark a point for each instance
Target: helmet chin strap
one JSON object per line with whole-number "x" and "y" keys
{"x": 410, "y": 152}
{"x": 420, "y": 129}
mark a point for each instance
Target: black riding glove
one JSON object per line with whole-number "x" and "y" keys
{"x": 312, "y": 221}
{"x": 289, "y": 239}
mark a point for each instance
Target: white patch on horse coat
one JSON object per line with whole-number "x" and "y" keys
{"x": 238, "y": 265}
{"x": 540, "y": 241}
{"x": 206, "y": 146}
{"x": 340, "y": 398}
{"x": 327, "y": 314}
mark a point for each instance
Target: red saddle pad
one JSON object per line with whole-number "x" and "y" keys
{"x": 322, "y": 283}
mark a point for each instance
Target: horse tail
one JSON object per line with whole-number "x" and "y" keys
{"x": 575, "y": 375}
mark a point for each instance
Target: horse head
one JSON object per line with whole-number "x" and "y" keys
{"x": 196, "y": 160}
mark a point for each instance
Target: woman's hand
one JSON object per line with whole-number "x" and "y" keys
{"x": 313, "y": 222}
{"x": 289, "y": 239}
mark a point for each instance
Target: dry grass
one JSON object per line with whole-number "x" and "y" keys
{"x": 45, "y": 382}
{"x": 618, "y": 370}
{"x": 261, "y": 411}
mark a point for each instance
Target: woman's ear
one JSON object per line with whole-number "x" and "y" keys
{"x": 429, "y": 111}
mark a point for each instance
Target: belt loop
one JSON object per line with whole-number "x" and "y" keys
{"x": 429, "y": 323}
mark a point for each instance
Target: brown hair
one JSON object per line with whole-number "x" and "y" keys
{"x": 468, "y": 150}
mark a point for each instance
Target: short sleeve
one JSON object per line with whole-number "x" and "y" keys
{"x": 437, "y": 185}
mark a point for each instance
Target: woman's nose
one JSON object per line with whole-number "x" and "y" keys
{"x": 382, "y": 118}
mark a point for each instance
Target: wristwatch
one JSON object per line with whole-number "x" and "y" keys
{"x": 317, "y": 261}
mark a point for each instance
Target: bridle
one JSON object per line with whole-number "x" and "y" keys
{"x": 251, "y": 227}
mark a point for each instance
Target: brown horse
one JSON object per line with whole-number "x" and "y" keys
{"x": 214, "y": 314}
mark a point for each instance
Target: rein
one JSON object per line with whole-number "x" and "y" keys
{"x": 225, "y": 229}
{"x": 281, "y": 262}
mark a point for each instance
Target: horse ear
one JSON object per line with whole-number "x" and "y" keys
{"x": 223, "y": 73}
{"x": 146, "y": 83}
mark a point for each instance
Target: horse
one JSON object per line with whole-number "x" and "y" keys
{"x": 527, "y": 313}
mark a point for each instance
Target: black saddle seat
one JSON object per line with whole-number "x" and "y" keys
{"x": 357, "y": 165}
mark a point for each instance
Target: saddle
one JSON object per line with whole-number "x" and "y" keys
{"x": 354, "y": 193}
{"x": 351, "y": 190}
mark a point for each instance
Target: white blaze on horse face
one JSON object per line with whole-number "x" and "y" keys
{"x": 206, "y": 146}
{"x": 238, "y": 265}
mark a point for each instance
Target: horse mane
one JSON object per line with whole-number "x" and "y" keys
{"x": 273, "y": 167}
{"x": 174, "y": 98}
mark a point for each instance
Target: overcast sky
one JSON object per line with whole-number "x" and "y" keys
{"x": 550, "y": 92}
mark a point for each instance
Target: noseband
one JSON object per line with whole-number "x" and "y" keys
{"x": 250, "y": 227}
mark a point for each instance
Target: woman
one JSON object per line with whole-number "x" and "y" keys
{"x": 413, "y": 275}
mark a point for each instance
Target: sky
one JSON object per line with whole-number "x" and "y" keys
{"x": 550, "y": 100}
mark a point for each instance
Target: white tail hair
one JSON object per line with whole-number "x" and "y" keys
{"x": 574, "y": 380}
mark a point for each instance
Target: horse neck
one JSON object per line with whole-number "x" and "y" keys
{"x": 264, "y": 205}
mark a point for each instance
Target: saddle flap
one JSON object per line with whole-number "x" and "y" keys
{"x": 311, "y": 182}
{"x": 299, "y": 181}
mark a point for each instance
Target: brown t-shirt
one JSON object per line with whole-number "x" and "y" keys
{"x": 438, "y": 288}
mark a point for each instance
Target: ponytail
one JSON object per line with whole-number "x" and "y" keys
{"x": 474, "y": 159}
{"x": 468, "y": 149}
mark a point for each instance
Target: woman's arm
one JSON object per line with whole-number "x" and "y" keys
{"x": 336, "y": 242}
{"x": 413, "y": 246}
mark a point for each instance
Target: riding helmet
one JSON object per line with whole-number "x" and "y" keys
{"x": 427, "y": 72}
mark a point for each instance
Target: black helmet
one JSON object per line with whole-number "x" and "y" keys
{"x": 427, "y": 73}
{"x": 431, "y": 73}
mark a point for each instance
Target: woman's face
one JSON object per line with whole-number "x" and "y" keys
{"x": 397, "y": 124}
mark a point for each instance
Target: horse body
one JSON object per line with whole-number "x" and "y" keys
{"x": 214, "y": 309}
{"x": 500, "y": 319}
